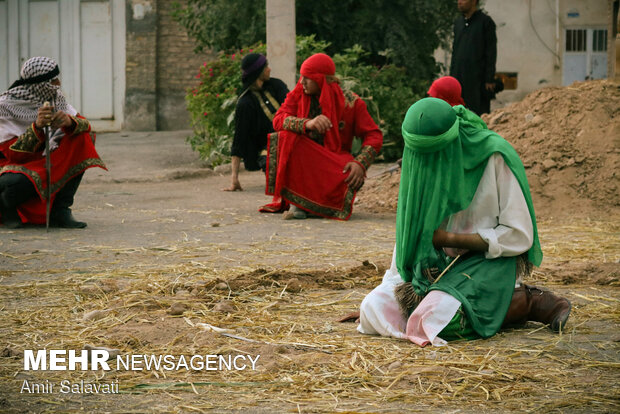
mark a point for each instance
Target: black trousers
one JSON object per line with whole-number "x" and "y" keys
{"x": 16, "y": 189}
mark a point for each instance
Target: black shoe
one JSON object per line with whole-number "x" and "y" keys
{"x": 10, "y": 217}
{"x": 65, "y": 220}
{"x": 262, "y": 163}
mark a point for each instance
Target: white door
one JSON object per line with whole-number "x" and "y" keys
{"x": 585, "y": 55}
{"x": 4, "y": 46}
{"x": 87, "y": 39}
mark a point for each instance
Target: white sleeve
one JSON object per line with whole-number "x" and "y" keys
{"x": 379, "y": 311}
{"x": 392, "y": 273}
{"x": 514, "y": 232}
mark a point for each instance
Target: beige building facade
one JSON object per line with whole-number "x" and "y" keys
{"x": 125, "y": 64}
{"x": 550, "y": 43}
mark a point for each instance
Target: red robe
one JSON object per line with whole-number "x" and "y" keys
{"x": 75, "y": 153}
{"x": 310, "y": 175}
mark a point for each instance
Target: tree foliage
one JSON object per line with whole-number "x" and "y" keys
{"x": 212, "y": 102}
{"x": 223, "y": 25}
{"x": 383, "y": 50}
{"x": 410, "y": 29}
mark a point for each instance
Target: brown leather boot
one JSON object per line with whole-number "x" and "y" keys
{"x": 530, "y": 303}
{"x": 519, "y": 308}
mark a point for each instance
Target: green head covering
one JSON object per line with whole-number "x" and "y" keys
{"x": 430, "y": 125}
{"x": 446, "y": 152}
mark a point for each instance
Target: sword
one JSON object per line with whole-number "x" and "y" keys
{"x": 390, "y": 170}
{"x": 48, "y": 170}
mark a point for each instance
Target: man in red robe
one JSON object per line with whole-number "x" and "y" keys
{"x": 310, "y": 165}
{"x": 23, "y": 176}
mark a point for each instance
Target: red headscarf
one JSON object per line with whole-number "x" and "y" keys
{"x": 448, "y": 89}
{"x": 321, "y": 69}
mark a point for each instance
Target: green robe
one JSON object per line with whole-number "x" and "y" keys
{"x": 444, "y": 158}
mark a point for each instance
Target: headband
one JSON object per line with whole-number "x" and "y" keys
{"x": 37, "y": 79}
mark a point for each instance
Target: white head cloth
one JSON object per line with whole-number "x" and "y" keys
{"x": 19, "y": 105}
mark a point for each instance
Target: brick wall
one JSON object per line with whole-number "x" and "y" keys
{"x": 177, "y": 66}
{"x": 160, "y": 66}
{"x": 140, "y": 112}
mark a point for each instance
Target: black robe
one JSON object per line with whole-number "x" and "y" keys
{"x": 252, "y": 123}
{"x": 474, "y": 53}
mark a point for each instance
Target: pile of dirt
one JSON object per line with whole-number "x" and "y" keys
{"x": 380, "y": 193}
{"x": 589, "y": 273}
{"x": 366, "y": 275}
{"x": 569, "y": 141}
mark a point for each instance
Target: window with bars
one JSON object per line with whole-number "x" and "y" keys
{"x": 576, "y": 40}
{"x": 585, "y": 54}
{"x": 599, "y": 40}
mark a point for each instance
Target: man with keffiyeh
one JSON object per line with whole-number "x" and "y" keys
{"x": 310, "y": 166}
{"x": 23, "y": 176}
{"x": 465, "y": 236}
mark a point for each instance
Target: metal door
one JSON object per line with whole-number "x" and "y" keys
{"x": 585, "y": 55}
{"x": 87, "y": 40}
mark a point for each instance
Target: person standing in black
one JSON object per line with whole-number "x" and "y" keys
{"x": 474, "y": 53}
{"x": 258, "y": 102}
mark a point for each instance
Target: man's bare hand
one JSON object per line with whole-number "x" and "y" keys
{"x": 319, "y": 124}
{"x": 355, "y": 180}
{"x": 462, "y": 242}
{"x": 61, "y": 120}
{"x": 47, "y": 117}
{"x": 351, "y": 317}
{"x": 44, "y": 117}
{"x": 440, "y": 238}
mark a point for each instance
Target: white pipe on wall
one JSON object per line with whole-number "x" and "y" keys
{"x": 557, "y": 34}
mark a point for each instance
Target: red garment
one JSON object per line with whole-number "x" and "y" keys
{"x": 317, "y": 67}
{"x": 74, "y": 155}
{"x": 305, "y": 173}
{"x": 448, "y": 89}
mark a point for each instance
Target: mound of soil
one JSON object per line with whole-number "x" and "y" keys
{"x": 569, "y": 141}
{"x": 590, "y": 273}
{"x": 380, "y": 193}
{"x": 366, "y": 275}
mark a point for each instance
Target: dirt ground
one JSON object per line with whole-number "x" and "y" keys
{"x": 169, "y": 264}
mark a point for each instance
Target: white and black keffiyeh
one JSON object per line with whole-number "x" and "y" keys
{"x": 19, "y": 105}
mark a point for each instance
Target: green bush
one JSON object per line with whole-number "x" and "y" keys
{"x": 212, "y": 105}
{"x": 411, "y": 29}
{"x": 387, "y": 91}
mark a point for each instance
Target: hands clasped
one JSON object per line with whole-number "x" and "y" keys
{"x": 47, "y": 117}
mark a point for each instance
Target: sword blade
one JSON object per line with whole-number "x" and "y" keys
{"x": 48, "y": 172}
